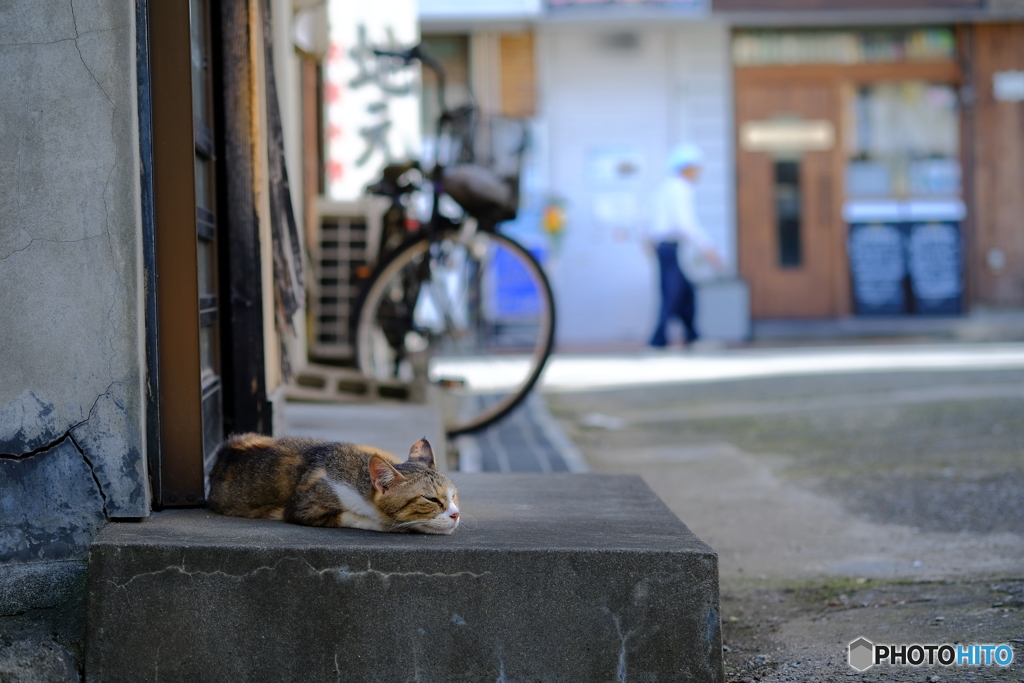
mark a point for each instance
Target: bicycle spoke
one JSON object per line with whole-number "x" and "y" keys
{"x": 471, "y": 319}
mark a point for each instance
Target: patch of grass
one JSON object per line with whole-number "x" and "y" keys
{"x": 820, "y": 592}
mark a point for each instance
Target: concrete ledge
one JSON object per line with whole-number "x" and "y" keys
{"x": 39, "y": 585}
{"x": 567, "y": 577}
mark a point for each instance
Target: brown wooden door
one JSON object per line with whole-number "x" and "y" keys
{"x": 197, "y": 83}
{"x": 790, "y": 240}
{"x": 184, "y": 172}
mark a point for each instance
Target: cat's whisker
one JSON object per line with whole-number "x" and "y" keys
{"x": 464, "y": 519}
{"x": 413, "y": 523}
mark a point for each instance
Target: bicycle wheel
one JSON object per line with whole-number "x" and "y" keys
{"x": 474, "y": 319}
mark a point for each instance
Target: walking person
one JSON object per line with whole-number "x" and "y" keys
{"x": 675, "y": 222}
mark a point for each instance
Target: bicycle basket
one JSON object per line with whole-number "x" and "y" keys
{"x": 499, "y": 143}
{"x": 485, "y": 179}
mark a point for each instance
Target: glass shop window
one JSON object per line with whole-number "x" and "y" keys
{"x": 904, "y": 142}
{"x": 787, "y": 213}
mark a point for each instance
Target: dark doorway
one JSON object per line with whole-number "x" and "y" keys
{"x": 208, "y": 293}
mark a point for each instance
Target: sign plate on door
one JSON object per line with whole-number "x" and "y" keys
{"x": 787, "y": 136}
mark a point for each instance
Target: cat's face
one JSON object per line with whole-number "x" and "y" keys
{"x": 414, "y": 495}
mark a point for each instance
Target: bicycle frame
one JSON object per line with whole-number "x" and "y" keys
{"x": 438, "y": 224}
{"x": 440, "y": 247}
{"x": 418, "y": 53}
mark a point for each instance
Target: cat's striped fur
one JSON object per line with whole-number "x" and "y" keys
{"x": 320, "y": 483}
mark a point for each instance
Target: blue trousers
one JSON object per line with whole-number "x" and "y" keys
{"x": 677, "y": 296}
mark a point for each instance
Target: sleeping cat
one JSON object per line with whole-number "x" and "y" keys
{"x": 319, "y": 483}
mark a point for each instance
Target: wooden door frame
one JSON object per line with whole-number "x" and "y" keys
{"x": 837, "y": 77}
{"x": 167, "y": 147}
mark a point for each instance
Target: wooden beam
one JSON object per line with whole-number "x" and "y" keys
{"x": 938, "y": 71}
{"x": 242, "y": 370}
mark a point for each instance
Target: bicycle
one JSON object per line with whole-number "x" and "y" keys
{"x": 453, "y": 303}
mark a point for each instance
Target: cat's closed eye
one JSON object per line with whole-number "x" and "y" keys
{"x": 433, "y": 500}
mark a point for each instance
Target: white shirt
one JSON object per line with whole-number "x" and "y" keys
{"x": 675, "y": 215}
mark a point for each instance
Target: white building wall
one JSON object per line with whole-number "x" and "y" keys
{"x": 703, "y": 113}
{"x": 600, "y": 97}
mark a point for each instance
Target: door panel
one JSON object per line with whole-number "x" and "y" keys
{"x": 185, "y": 217}
{"x": 789, "y": 245}
{"x": 178, "y": 477}
{"x": 206, "y": 229}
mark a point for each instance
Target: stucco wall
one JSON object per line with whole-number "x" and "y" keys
{"x": 604, "y": 90}
{"x": 72, "y": 427}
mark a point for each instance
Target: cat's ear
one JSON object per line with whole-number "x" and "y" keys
{"x": 382, "y": 475}
{"x": 421, "y": 453}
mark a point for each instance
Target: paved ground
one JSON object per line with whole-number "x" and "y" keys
{"x": 882, "y": 500}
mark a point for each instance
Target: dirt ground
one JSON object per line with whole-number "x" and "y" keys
{"x": 887, "y": 506}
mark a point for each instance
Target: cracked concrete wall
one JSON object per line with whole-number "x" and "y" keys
{"x": 72, "y": 361}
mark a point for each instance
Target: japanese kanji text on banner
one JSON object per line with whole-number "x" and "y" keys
{"x": 372, "y": 104}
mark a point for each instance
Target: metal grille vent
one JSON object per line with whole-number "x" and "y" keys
{"x": 345, "y": 246}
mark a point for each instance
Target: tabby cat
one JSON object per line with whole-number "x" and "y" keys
{"x": 319, "y": 483}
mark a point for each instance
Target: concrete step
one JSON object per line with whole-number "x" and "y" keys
{"x": 392, "y": 427}
{"x": 346, "y": 385}
{"x": 553, "y": 577}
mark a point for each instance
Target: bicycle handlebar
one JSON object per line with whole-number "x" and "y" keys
{"x": 418, "y": 53}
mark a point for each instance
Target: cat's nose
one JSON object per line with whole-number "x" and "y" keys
{"x": 454, "y": 516}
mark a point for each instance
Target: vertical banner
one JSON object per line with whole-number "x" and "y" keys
{"x": 371, "y": 103}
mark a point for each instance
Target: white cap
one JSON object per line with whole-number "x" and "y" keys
{"x": 684, "y": 155}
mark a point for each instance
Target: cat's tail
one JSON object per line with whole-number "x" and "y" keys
{"x": 232, "y": 449}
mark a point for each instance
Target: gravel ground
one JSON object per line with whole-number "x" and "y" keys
{"x": 888, "y": 506}
{"x": 899, "y": 448}
{"x": 800, "y": 632}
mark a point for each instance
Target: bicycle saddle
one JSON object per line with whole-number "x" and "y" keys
{"x": 481, "y": 192}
